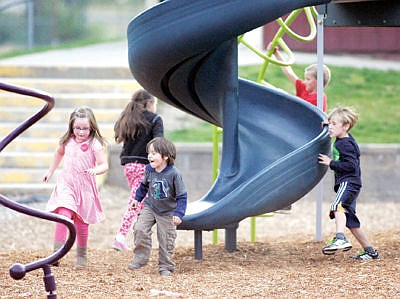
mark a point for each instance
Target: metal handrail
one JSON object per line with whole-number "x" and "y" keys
{"x": 310, "y": 13}
{"x": 18, "y": 271}
{"x": 30, "y": 20}
{"x": 13, "y": 3}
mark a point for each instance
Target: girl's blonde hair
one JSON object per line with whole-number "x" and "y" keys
{"x": 83, "y": 112}
{"x": 346, "y": 115}
{"x": 132, "y": 119}
{"x": 313, "y": 70}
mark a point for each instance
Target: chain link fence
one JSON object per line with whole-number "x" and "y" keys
{"x": 29, "y": 24}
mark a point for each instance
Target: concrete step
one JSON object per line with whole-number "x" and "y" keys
{"x": 18, "y": 189}
{"x": 173, "y": 118}
{"x": 15, "y": 184}
{"x": 22, "y": 175}
{"x": 51, "y": 130}
{"x": 26, "y": 159}
{"x": 51, "y": 85}
{"x": 116, "y": 100}
{"x": 27, "y": 144}
{"x": 67, "y": 72}
{"x": 20, "y": 114}
{"x": 11, "y": 160}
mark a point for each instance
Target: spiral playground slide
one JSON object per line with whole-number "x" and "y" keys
{"x": 185, "y": 53}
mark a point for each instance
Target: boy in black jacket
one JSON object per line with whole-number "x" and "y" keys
{"x": 346, "y": 165}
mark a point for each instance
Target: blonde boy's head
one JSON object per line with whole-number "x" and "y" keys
{"x": 313, "y": 71}
{"x": 345, "y": 115}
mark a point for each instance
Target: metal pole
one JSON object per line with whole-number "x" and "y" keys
{"x": 215, "y": 166}
{"x": 29, "y": 7}
{"x": 320, "y": 92}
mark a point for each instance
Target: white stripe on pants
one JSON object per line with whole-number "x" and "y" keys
{"x": 339, "y": 194}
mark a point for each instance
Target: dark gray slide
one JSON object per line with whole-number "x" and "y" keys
{"x": 185, "y": 53}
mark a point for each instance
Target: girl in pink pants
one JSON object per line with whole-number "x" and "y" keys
{"x": 136, "y": 126}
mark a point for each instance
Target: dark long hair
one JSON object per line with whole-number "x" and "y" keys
{"x": 132, "y": 119}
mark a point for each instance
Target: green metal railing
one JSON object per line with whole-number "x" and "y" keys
{"x": 311, "y": 16}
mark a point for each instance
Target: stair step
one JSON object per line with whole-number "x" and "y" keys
{"x": 67, "y": 100}
{"x": 27, "y": 144}
{"x": 22, "y": 175}
{"x": 26, "y": 159}
{"x": 20, "y": 114}
{"x": 51, "y": 130}
{"x": 24, "y": 162}
{"x": 65, "y": 72}
{"x": 15, "y": 189}
{"x": 76, "y": 85}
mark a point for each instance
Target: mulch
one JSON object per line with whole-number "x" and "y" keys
{"x": 285, "y": 261}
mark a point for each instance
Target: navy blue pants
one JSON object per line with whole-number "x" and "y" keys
{"x": 345, "y": 201}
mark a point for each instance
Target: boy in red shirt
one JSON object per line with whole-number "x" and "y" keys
{"x": 307, "y": 88}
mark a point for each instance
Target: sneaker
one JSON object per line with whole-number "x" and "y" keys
{"x": 365, "y": 256}
{"x": 165, "y": 273}
{"x": 119, "y": 246}
{"x": 335, "y": 245}
{"x": 134, "y": 266}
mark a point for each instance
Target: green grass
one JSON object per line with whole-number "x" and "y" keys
{"x": 69, "y": 45}
{"x": 201, "y": 133}
{"x": 374, "y": 94}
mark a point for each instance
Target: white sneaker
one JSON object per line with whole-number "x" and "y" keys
{"x": 119, "y": 246}
{"x": 365, "y": 256}
{"x": 336, "y": 244}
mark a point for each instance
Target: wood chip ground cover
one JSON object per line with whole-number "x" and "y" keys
{"x": 285, "y": 262}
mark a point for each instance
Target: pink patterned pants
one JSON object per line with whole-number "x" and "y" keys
{"x": 134, "y": 173}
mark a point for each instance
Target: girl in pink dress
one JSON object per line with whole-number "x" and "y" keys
{"x": 76, "y": 195}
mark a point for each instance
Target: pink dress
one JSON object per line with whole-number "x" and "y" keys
{"x": 76, "y": 190}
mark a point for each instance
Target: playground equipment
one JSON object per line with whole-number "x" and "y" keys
{"x": 241, "y": 108}
{"x": 311, "y": 14}
{"x": 18, "y": 271}
{"x": 186, "y": 55}
{"x": 361, "y": 13}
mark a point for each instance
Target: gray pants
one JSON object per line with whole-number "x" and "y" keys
{"x": 166, "y": 235}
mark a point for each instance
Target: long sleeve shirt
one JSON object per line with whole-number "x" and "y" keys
{"x": 134, "y": 150}
{"x": 166, "y": 192}
{"x": 346, "y": 161}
